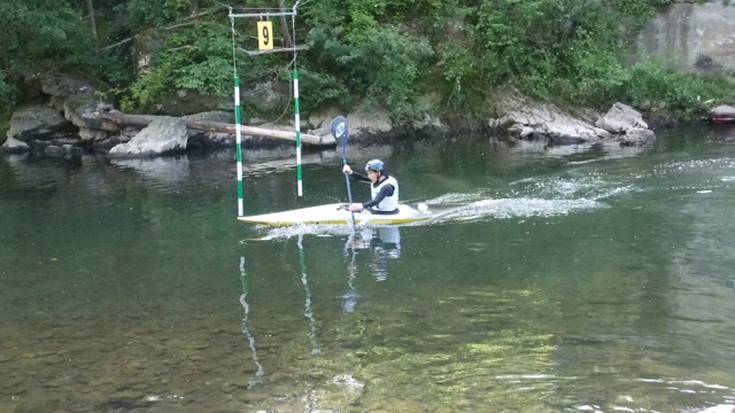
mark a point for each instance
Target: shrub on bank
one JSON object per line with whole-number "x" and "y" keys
{"x": 376, "y": 53}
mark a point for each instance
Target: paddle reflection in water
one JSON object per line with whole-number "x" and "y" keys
{"x": 308, "y": 312}
{"x": 258, "y": 376}
{"x": 349, "y": 298}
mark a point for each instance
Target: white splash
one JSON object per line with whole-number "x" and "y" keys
{"x": 517, "y": 208}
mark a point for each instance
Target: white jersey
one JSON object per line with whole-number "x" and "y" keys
{"x": 389, "y": 203}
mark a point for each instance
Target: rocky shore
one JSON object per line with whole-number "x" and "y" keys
{"x": 74, "y": 120}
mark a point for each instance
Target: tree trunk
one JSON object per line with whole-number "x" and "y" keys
{"x": 142, "y": 121}
{"x": 284, "y": 27}
{"x": 93, "y": 22}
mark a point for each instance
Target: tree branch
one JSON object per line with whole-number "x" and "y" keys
{"x": 185, "y": 22}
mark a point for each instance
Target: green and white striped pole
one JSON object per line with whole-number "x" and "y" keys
{"x": 238, "y": 144}
{"x": 297, "y": 125}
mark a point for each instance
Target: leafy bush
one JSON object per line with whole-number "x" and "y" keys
{"x": 542, "y": 45}
{"x": 7, "y": 95}
{"x": 40, "y": 35}
{"x": 685, "y": 96}
{"x": 388, "y": 64}
{"x": 37, "y": 30}
{"x": 144, "y": 14}
{"x": 195, "y": 59}
{"x": 381, "y": 53}
{"x": 318, "y": 89}
{"x": 380, "y": 62}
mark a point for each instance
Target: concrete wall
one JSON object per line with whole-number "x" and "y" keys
{"x": 695, "y": 37}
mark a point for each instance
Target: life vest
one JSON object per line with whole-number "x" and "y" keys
{"x": 389, "y": 203}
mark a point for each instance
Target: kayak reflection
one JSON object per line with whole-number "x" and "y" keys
{"x": 384, "y": 245}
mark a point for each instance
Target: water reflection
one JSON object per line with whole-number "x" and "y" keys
{"x": 308, "y": 311}
{"x": 349, "y": 299}
{"x": 258, "y": 376}
{"x": 383, "y": 244}
{"x": 162, "y": 171}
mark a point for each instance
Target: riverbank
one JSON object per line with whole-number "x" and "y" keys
{"x": 74, "y": 120}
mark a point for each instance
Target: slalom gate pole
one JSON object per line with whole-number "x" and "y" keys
{"x": 238, "y": 144}
{"x": 297, "y": 126}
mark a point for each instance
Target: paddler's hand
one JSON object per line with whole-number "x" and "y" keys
{"x": 356, "y": 207}
{"x": 347, "y": 170}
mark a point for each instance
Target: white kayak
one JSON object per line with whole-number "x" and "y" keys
{"x": 333, "y": 214}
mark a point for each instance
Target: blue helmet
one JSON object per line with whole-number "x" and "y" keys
{"x": 375, "y": 165}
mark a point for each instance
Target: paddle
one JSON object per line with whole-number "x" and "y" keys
{"x": 341, "y": 136}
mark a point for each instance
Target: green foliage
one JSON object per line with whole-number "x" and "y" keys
{"x": 388, "y": 64}
{"x": 318, "y": 89}
{"x": 573, "y": 50}
{"x": 379, "y": 61}
{"x": 144, "y": 14}
{"x": 597, "y": 76}
{"x": 39, "y": 30}
{"x": 537, "y": 44}
{"x": 650, "y": 86}
{"x": 461, "y": 72}
{"x": 40, "y": 35}
{"x": 151, "y": 87}
{"x": 7, "y": 95}
{"x": 378, "y": 53}
{"x": 195, "y": 59}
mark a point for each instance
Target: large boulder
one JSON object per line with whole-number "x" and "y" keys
{"x": 83, "y": 113}
{"x": 722, "y": 114}
{"x": 524, "y": 118}
{"x": 77, "y": 99}
{"x": 262, "y": 98}
{"x": 161, "y": 136}
{"x": 723, "y": 111}
{"x": 621, "y": 118}
{"x": 62, "y": 86}
{"x": 362, "y": 124}
{"x": 265, "y": 96}
{"x": 36, "y": 122}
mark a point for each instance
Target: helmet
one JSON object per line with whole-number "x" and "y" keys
{"x": 375, "y": 165}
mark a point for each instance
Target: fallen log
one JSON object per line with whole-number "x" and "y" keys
{"x": 141, "y": 121}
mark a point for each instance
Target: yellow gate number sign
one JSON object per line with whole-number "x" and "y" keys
{"x": 265, "y": 35}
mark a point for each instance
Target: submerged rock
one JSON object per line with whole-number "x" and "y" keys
{"x": 54, "y": 151}
{"x": 348, "y": 382}
{"x": 637, "y": 137}
{"x": 13, "y": 145}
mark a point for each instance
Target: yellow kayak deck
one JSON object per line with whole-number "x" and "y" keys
{"x": 333, "y": 214}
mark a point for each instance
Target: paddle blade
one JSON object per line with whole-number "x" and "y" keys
{"x": 339, "y": 131}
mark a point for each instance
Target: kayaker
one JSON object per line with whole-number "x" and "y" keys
{"x": 383, "y": 189}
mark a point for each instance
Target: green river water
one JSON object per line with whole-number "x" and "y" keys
{"x": 570, "y": 279}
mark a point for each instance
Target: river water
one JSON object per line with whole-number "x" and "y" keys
{"x": 569, "y": 279}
